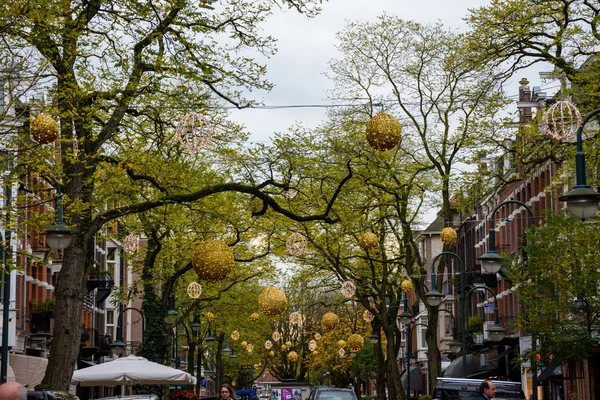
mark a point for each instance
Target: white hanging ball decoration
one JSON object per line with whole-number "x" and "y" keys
{"x": 194, "y": 132}
{"x": 367, "y": 316}
{"x": 194, "y": 290}
{"x": 296, "y": 244}
{"x": 561, "y": 120}
{"x": 348, "y": 289}
{"x": 131, "y": 243}
{"x": 268, "y": 344}
{"x": 312, "y": 345}
{"x": 295, "y": 318}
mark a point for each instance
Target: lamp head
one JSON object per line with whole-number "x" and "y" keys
{"x": 58, "y": 236}
{"x": 196, "y": 324}
{"x": 117, "y": 348}
{"x": 582, "y": 201}
{"x": 454, "y": 346}
{"x": 374, "y": 338}
{"x": 434, "y": 298}
{"x": 496, "y": 332}
{"x": 405, "y": 317}
{"x": 491, "y": 262}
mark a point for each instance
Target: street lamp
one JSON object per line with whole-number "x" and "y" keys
{"x": 582, "y": 200}
{"x": 434, "y": 297}
{"x": 171, "y": 316}
{"x": 495, "y": 331}
{"x": 196, "y": 331}
{"x": 374, "y": 338}
{"x": 117, "y": 347}
{"x": 58, "y": 235}
{"x": 454, "y": 345}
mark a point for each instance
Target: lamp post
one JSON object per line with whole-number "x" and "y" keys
{"x": 582, "y": 200}
{"x": 5, "y": 254}
{"x": 59, "y": 235}
{"x": 117, "y": 347}
{"x": 491, "y": 261}
{"x": 196, "y": 330}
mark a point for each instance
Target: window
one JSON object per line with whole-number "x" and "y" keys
{"x": 110, "y": 317}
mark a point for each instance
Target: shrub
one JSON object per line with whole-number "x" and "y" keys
{"x": 182, "y": 395}
{"x": 425, "y": 397}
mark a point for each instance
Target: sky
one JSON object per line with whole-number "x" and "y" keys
{"x": 306, "y": 45}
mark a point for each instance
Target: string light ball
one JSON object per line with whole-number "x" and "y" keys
{"x": 271, "y": 353}
{"x": 209, "y": 316}
{"x": 317, "y": 336}
{"x": 448, "y": 235}
{"x": 249, "y": 348}
{"x": 406, "y": 285}
{"x": 367, "y": 316}
{"x": 562, "y": 120}
{"x": 368, "y": 241}
{"x": 272, "y": 301}
{"x": 330, "y": 321}
{"x": 341, "y": 343}
{"x": 276, "y": 336}
{"x": 295, "y": 318}
{"x": 268, "y": 344}
{"x": 44, "y": 129}
{"x": 288, "y": 344}
{"x": 355, "y": 342}
{"x": 194, "y": 290}
{"x": 254, "y": 317}
{"x": 312, "y": 345}
{"x": 213, "y": 260}
{"x": 194, "y": 132}
{"x": 296, "y": 244}
{"x": 292, "y": 356}
{"x": 383, "y": 132}
{"x": 235, "y": 335}
{"x": 131, "y": 243}
{"x": 348, "y": 289}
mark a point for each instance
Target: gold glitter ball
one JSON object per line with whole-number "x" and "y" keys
{"x": 44, "y": 129}
{"x": 244, "y": 344}
{"x": 213, "y": 260}
{"x": 448, "y": 236}
{"x": 330, "y": 321}
{"x": 406, "y": 285}
{"x": 254, "y": 317}
{"x": 367, "y": 316}
{"x": 271, "y": 353}
{"x": 209, "y": 316}
{"x": 317, "y": 336}
{"x": 288, "y": 344}
{"x": 383, "y": 132}
{"x": 283, "y": 347}
{"x": 341, "y": 343}
{"x": 235, "y": 335}
{"x": 355, "y": 342}
{"x": 272, "y": 301}
{"x": 368, "y": 241}
{"x": 292, "y": 356}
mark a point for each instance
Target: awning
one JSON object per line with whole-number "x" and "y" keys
{"x": 474, "y": 368}
{"x": 29, "y": 370}
{"x": 416, "y": 378}
{"x": 549, "y": 371}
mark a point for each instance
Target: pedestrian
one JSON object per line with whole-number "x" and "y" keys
{"x": 13, "y": 391}
{"x": 226, "y": 392}
{"x": 487, "y": 390}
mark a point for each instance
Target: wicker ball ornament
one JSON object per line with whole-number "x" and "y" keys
{"x": 342, "y": 352}
{"x": 383, "y": 132}
{"x": 209, "y": 316}
{"x": 312, "y": 345}
{"x": 367, "y": 316}
{"x": 406, "y": 285}
{"x": 448, "y": 235}
{"x": 292, "y": 356}
{"x": 194, "y": 132}
{"x": 268, "y": 344}
{"x": 355, "y": 342}
{"x": 213, "y": 260}
{"x": 561, "y": 120}
{"x": 296, "y": 244}
{"x": 317, "y": 336}
{"x": 368, "y": 241}
{"x": 295, "y": 318}
{"x": 249, "y": 348}
{"x": 254, "y": 317}
{"x": 276, "y": 336}
{"x": 235, "y": 335}
{"x": 341, "y": 343}
{"x": 44, "y": 129}
{"x": 348, "y": 289}
{"x": 272, "y": 301}
{"x": 330, "y": 321}
{"x": 194, "y": 290}
{"x": 131, "y": 243}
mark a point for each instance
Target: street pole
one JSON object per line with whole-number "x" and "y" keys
{"x": 117, "y": 347}
{"x": 5, "y": 254}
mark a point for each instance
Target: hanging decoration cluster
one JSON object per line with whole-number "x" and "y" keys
{"x": 348, "y": 289}
{"x": 249, "y": 348}
{"x": 292, "y": 356}
{"x": 317, "y": 336}
{"x": 448, "y": 235}
{"x": 355, "y": 342}
{"x": 312, "y": 345}
{"x": 341, "y": 343}
{"x": 272, "y": 301}
{"x": 209, "y": 316}
{"x": 367, "y": 316}
{"x": 213, "y": 260}
{"x": 276, "y": 336}
{"x": 254, "y": 317}
{"x": 44, "y": 129}
{"x": 235, "y": 335}
{"x": 295, "y": 318}
{"x": 330, "y": 321}
{"x": 194, "y": 290}
{"x": 561, "y": 120}
{"x": 368, "y": 241}
{"x": 131, "y": 243}
{"x": 383, "y": 132}
{"x": 296, "y": 244}
{"x": 244, "y": 344}
{"x": 194, "y": 132}
{"x": 268, "y": 344}
{"x": 406, "y": 285}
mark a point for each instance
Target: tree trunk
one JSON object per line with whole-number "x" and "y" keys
{"x": 381, "y": 372}
{"x": 433, "y": 352}
{"x": 395, "y": 390}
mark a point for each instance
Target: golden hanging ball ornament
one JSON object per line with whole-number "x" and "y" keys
{"x": 272, "y": 301}
{"x": 244, "y": 344}
{"x": 383, "y": 132}
{"x": 406, "y": 285}
{"x": 209, "y": 316}
{"x": 235, "y": 335}
{"x": 288, "y": 344}
{"x": 368, "y": 241}
{"x": 254, "y": 317}
{"x": 271, "y": 353}
{"x": 44, "y": 129}
{"x": 330, "y": 321}
{"x": 283, "y": 347}
{"x": 312, "y": 345}
{"x": 448, "y": 236}
{"x": 292, "y": 356}
{"x": 341, "y": 343}
{"x": 355, "y": 342}
{"x": 213, "y": 260}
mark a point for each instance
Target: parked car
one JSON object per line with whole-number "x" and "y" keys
{"x": 327, "y": 393}
{"x": 132, "y": 397}
{"x": 466, "y": 389}
{"x": 246, "y": 394}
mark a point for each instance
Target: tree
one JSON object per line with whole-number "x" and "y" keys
{"x": 119, "y": 71}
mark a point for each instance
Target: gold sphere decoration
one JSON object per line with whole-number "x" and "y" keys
{"x": 271, "y": 353}
{"x": 235, "y": 335}
{"x": 292, "y": 356}
{"x": 368, "y": 241}
{"x": 561, "y": 120}
{"x": 249, "y": 348}
{"x": 448, "y": 235}
{"x": 295, "y": 318}
{"x": 44, "y": 129}
{"x": 341, "y": 343}
{"x": 209, "y": 316}
{"x": 355, "y": 342}
{"x": 330, "y": 321}
{"x": 288, "y": 344}
{"x": 272, "y": 301}
{"x": 244, "y": 344}
{"x": 315, "y": 352}
{"x": 317, "y": 336}
{"x": 213, "y": 260}
{"x": 254, "y": 317}
{"x": 283, "y": 347}
{"x": 383, "y": 132}
{"x": 406, "y": 285}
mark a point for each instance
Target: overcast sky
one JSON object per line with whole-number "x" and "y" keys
{"x": 306, "y": 45}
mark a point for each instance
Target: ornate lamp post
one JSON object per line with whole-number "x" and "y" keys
{"x": 117, "y": 347}
{"x": 196, "y": 330}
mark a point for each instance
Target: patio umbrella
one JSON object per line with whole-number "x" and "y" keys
{"x": 131, "y": 370}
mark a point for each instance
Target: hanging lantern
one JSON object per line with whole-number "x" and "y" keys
{"x": 43, "y": 129}
{"x": 194, "y": 290}
{"x": 131, "y": 243}
{"x": 348, "y": 289}
{"x": 317, "y": 336}
{"x": 271, "y": 353}
{"x": 296, "y": 244}
{"x": 295, "y": 318}
{"x": 341, "y": 343}
{"x": 561, "y": 120}
{"x": 406, "y": 285}
{"x": 292, "y": 356}
{"x": 276, "y": 336}
{"x": 312, "y": 345}
{"x": 448, "y": 236}
{"x": 383, "y": 132}
{"x": 367, "y": 316}
{"x": 268, "y": 344}
{"x": 272, "y": 301}
{"x": 330, "y": 321}
{"x": 213, "y": 260}
{"x": 209, "y": 316}
{"x": 235, "y": 335}
{"x": 249, "y": 348}
{"x": 355, "y": 342}
{"x": 244, "y": 344}
{"x": 288, "y": 344}
{"x": 194, "y": 132}
{"x": 283, "y": 348}
{"x": 368, "y": 241}
{"x": 342, "y": 352}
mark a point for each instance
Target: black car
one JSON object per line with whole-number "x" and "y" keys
{"x": 327, "y": 393}
{"x": 466, "y": 389}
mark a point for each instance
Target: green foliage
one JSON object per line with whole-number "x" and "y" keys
{"x": 475, "y": 324}
{"x": 155, "y": 344}
{"x": 42, "y": 306}
{"x": 425, "y": 397}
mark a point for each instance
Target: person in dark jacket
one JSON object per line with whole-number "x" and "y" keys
{"x": 487, "y": 390}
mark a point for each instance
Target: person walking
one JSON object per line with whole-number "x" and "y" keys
{"x": 487, "y": 390}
